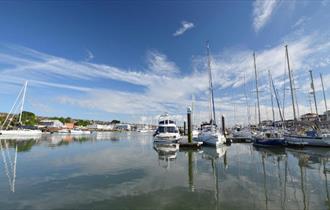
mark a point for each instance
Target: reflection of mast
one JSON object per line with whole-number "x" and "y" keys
{"x": 191, "y": 171}
{"x": 216, "y": 184}
{"x": 265, "y": 185}
{"x": 326, "y": 182}
{"x": 285, "y": 179}
{"x": 302, "y": 177}
{"x": 11, "y": 175}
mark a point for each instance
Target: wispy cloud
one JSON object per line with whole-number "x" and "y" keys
{"x": 185, "y": 26}
{"x": 159, "y": 63}
{"x": 262, "y": 12}
{"x": 89, "y": 55}
{"x": 163, "y": 87}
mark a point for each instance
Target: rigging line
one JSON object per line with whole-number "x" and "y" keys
{"x": 18, "y": 96}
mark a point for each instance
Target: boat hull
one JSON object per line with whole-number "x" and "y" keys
{"x": 269, "y": 142}
{"x": 306, "y": 141}
{"x": 212, "y": 139}
{"x": 20, "y": 134}
{"x": 167, "y": 137}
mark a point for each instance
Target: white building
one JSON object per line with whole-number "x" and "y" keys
{"x": 123, "y": 127}
{"x": 51, "y": 124}
{"x": 100, "y": 127}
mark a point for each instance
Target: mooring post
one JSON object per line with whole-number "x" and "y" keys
{"x": 223, "y": 125}
{"x": 189, "y": 124}
{"x": 228, "y": 141}
{"x": 184, "y": 128}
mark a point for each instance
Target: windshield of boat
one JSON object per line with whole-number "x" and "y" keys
{"x": 167, "y": 129}
{"x": 163, "y": 122}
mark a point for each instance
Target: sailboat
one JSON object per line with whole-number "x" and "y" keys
{"x": 310, "y": 137}
{"x": 269, "y": 136}
{"x": 18, "y": 133}
{"x": 210, "y": 134}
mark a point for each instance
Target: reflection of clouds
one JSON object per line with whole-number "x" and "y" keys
{"x": 105, "y": 173}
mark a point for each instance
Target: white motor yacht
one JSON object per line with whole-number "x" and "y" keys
{"x": 167, "y": 130}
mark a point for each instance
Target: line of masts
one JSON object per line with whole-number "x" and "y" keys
{"x": 273, "y": 91}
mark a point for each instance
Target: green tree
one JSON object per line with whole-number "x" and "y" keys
{"x": 82, "y": 123}
{"x": 29, "y": 118}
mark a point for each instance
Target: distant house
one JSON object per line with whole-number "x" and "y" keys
{"x": 123, "y": 127}
{"x": 100, "y": 127}
{"x": 309, "y": 117}
{"x": 69, "y": 125}
{"x": 327, "y": 115}
{"x": 267, "y": 123}
{"x": 51, "y": 124}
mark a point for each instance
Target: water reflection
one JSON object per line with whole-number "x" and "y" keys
{"x": 214, "y": 154}
{"x": 9, "y": 163}
{"x": 167, "y": 152}
{"x": 127, "y": 171}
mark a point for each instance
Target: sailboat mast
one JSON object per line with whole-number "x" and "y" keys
{"x": 313, "y": 91}
{"x": 246, "y": 101}
{"x": 271, "y": 94}
{"x": 256, "y": 77}
{"x": 22, "y": 105}
{"x": 325, "y": 100}
{"x": 210, "y": 83}
{"x": 277, "y": 100}
{"x": 291, "y": 84}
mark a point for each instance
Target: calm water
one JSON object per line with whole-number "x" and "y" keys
{"x": 125, "y": 171}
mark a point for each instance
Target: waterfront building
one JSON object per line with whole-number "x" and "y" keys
{"x": 309, "y": 117}
{"x": 100, "y": 127}
{"x": 50, "y": 124}
{"x": 123, "y": 127}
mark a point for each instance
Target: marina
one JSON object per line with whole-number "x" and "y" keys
{"x": 165, "y": 105}
{"x": 125, "y": 169}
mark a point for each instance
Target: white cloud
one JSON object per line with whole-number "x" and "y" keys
{"x": 164, "y": 89}
{"x": 185, "y": 26}
{"x": 262, "y": 12}
{"x": 159, "y": 64}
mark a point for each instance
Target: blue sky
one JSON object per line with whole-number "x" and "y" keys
{"x": 135, "y": 60}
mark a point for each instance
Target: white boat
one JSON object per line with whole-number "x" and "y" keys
{"x": 167, "y": 130}
{"x": 63, "y": 130}
{"x": 80, "y": 132}
{"x": 305, "y": 141}
{"x": 241, "y": 133}
{"x": 195, "y": 133}
{"x": 210, "y": 134}
{"x": 18, "y": 133}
